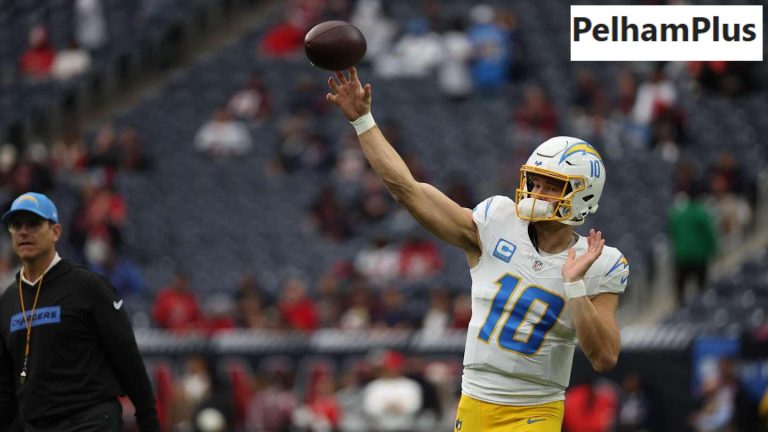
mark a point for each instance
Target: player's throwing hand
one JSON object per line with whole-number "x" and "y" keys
{"x": 575, "y": 268}
{"x": 349, "y": 95}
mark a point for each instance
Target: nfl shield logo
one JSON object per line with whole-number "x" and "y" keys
{"x": 537, "y": 264}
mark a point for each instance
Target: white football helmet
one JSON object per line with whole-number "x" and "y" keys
{"x": 567, "y": 159}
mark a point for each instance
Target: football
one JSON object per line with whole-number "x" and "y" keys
{"x": 335, "y": 45}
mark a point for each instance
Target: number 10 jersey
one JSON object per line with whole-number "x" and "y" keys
{"x": 521, "y": 338}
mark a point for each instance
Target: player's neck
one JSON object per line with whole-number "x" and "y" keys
{"x": 553, "y": 237}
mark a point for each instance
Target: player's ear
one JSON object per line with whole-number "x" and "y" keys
{"x": 56, "y": 231}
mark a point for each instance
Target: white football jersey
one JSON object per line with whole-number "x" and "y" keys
{"x": 521, "y": 338}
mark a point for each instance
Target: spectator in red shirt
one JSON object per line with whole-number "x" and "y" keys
{"x": 536, "y": 117}
{"x": 590, "y": 407}
{"x": 176, "y": 306}
{"x": 37, "y": 60}
{"x": 419, "y": 258}
{"x": 297, "y": 310}
{"x": 286, "y": 38}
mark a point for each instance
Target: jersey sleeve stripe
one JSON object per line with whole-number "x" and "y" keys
{"x": 621, "y": 262}
{"x": 488, "y": 206}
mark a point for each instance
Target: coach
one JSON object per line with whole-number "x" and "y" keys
{"x": 67, "y": 348}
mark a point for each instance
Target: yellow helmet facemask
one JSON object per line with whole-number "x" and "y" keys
{"x": 536, "y": 207}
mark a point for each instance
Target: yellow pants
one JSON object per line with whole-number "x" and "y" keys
{"x": 477, "y": 416}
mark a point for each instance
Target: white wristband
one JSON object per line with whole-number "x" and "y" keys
{"x": 363, "y": 123}
{"x": 575, "y": 289}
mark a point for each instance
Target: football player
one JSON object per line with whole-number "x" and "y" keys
{"x": 537, "y": 285}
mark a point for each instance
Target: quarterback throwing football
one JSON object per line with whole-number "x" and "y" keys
{"x": 536, "y": 284}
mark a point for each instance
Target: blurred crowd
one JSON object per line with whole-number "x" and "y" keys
{"x": 383, "y": 391}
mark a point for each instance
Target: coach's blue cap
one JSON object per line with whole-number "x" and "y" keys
{"x": 36, "y": 203}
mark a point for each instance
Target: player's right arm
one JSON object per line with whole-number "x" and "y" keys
{"x": 431, "y": 208}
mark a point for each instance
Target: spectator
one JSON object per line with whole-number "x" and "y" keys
{"x": 735, "y": 181}
{"x": 653, "y": 98}
{"x": 253, "y": 103}
{"x": 730, "y": 211}
{"x": 68, "y": 154}
{"x": 392, "y": 400}
{"x": 692, "y": 232}
{"x": 252, "y": 309}
{"x": 176, "y": 306}
{"x": 536, "y": 117}
{"x": 286, "y": 39}
{"x": 8, "y": 268}
{"x": 360, "y": 309}
{"x": 271, "y": 407}
{"x": 322, "y": 411}
{"x": 90, "y": 25}
{"x": 105, "y": 210}
{"x": 372, "y": 18}
{"x": 462, "y": 311}
{"x": 415, "y": 55}
{"x": 121, "y": 272}
{"x": 636, "y": 412}
{"x": 350, "y": 400}
{"x": 70, "y": 62}
{"x": 317, "y": 155}
{"x": 33, "y": 172}
{"x": 716, "y": 408}
{"x": 37, "y": 60}
{"x": 626, "y": 90}
{"x": 394, "y": 313}
{"x": 728, "y": 78}
{"x": 374, "y": 202}
{"x": 350, "y": 163}
{"x": 745, "y": 406}
{"x": 8, "y": 159}
{"x": 438, "y": 315}
{"x": 379, "y": 261}
{"x": 306, "y": 98}
{"x": 453, "y": 73}
{"x": 223, "y": 136}
{"x": 419, "y": 257}
{"x": 297, "y": 310}
{"x": 193, "y": 387}
{"x": 328, "y": 216}
{"x": 105, "y": 153}
{"x": 431, "y": 408}
{"x": 490, "y": 46}
{"x": 217, "y": 313}
{"x": 295, "y": 130}
{"x": 590, "y": 407}
{"x": 507, "y": 21}
{"x": 132, "y": 155}
{"x": 329, "y": 302}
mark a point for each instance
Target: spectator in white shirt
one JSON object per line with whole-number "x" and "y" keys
{"x": 392, "y": 401}
{"x": 70, "y": 62}
{"x": 222, "y": 136}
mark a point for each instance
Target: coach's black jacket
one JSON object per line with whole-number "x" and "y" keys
{"x": 82, "y": 350}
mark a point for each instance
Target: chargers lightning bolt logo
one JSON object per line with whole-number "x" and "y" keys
{"x": 579, "y": 147}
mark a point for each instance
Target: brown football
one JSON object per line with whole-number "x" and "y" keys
{"x": 335, "y": 45}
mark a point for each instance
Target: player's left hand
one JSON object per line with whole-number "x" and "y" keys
{"x": 575, "y": 268}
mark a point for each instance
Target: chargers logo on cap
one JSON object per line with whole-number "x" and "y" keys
{"x": 27, "y": 198}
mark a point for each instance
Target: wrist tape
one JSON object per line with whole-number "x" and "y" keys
{"x": 363, "y": 123}
{"x": 575, "y": 289}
